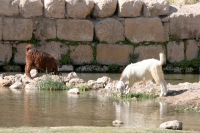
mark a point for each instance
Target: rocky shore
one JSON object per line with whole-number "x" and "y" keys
{"x": 183, "y": 94}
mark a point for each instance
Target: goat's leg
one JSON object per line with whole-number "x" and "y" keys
{"x": 27, "y": 71}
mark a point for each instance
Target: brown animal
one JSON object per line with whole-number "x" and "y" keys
{"x": 39, "y": 60}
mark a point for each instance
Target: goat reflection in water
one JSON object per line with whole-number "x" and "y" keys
{"x": 140, "y": 113}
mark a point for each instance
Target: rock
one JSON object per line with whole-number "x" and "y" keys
{"x": 144, "y": 29}
{"x": 175, "y": 51}
{"x": 92, "y": 68}
{"x": 103, "y": 80}
{"x": 26, "y": 79}
{"x": 72, "y": 75}
{"x": 104, "y": 8}
{"x": 31, "y": 86}
{"x": 54, "y": 8}
{"x": 9, "y": 8}
{"x": 109, "y": 30}
{"x": 66, "y": 68}
{"x": 20, "y": 55}
{"x": 18, "y": 77}
{"x": 81, "y": 54}
{"x": 76, "y": 81}
{"x": 10, "y": 78}
{"x": 73, "y": 91}
{"x": 5, "y": 82}
{"x": 184, "y": 21}
{"x": 1, "y": 28}
{"x": 34, "y": 73}
{"x": 75, "y": 30}
{"x": 129, "y": 8}
{"x": 79, "y": 9}
{"x": 5, "y": 53}
{"x": 166, "y": 31}
{"x": 148, "y": 52}
{"x": 114, "y": 54}
{"x": 117, "y": 123}
{"x": 44, "y": 28}
{"x": 31, "y": 8}
{"x": 17, "y": 85}
{"x": 12, "y": 68}
{"x": 2, "y": 75}
{"x": 192, "y": 49}
{"x": 17, "y": 29}
{"x": 155, "y": 8}
{"x": 175, "y": 125}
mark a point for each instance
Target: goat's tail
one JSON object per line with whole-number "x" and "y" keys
{"x": 162, "y": 58}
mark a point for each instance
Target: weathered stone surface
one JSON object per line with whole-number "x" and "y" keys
{"x": 20, "y": 55}
{"x": 81, "y": 54}
{"x": 17, "y": 85}
{"x": 17, "y": 29}
{"x": 79, "y": 8}
{"x": 155, "y": 8}
{"x": 175, "y": 51}
{"x": 66, "y": 68}
{"x": 1, "y": 28}
{"x": 34, "y": 73}
{"x": 192, "y": 49}
{"x": 11, "y": 68}
{"x": 31, "y": 8}
{"x": 5, "y": 82}
{"x": 184, "y": 21}
{"x": 109, "y": 30}
{"x": 148, "y": 52}
{"x": 166, "y": 31}
{"x": 144, "y": 29}
{"x": 73, "y": 91}
{"x": 129, "y": 8}
{"x": 54, "y": 8}
{"x": 75, "y": 30}
{"x": 5, "y": 53}
{"x": 92, "y": 68}
{"x": 104, "y": 8}
{"x": 114, "y": 54}
{"x": 9, "y": 7}
{"x": 175, "y": 125}
{"x": 44, "y": 29}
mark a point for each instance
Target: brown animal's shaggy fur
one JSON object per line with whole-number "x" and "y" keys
{"x": 39, "y": 60}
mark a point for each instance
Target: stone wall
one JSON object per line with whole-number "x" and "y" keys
{"x": 103, "y": 32}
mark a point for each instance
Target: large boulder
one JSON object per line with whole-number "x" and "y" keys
{"x": 79, "y": 9}
{"x": 1, "y": 28}
{"x": 192, "y": 49}
{"x": 75, "y": 30}
{"x": 17, "y": 29}
{"x": 31, "y": 8}
{"x": 5, "y": 83}
{"x": 144, "y": 29}
{"x": 5, "y": 53}
{"x": 20, "y": 55}
{"x": 175, "y": 125}
{"x": 54, "y": 8}
{"x": 17, "y": 85}
{"x": 148, "y": 52}
{"x": 129, "y": 8}
{"x": 155, "y": 8}
{"x": 175, "y": 51}
{"x": 184, "y": 21}
{"x": 81, "y": 54}
{"x": 104, "y": 8}
{"x": 44, "y": 28}
{"x": 9, "y": 8}
{"x": 109, "y": 30}
{"x": 114, "y": 54}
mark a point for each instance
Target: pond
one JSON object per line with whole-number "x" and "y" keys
{"x": 57, "y": 108}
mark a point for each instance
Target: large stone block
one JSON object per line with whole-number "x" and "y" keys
{"x": 114, "y": 54}
{"x": 79, "y": 8}
{"x": 109, "y": 30}
{"x": 44, "y": 28}
{"x": 155, "y": 8}
{"x": 54, "y": 8}
{"x": 184, "y": 21}
{"x": 54, "y": 48}
{"x": 104, "y": 8}
{"x": 20, "y": 55}
{"x": 31, "y": 8}
{"x": 75, "y": 30}
{"x": 17, "y": 29}
{"x": 5, "y": 53}
{"x": 129, "y": 8}
{"x": 148, "y": 52}
{"x": 81, "y": 54}
{"x": 192, "y": 49}
{"x": 1, "y": 28}
{"x": 9, "y": 7}
{"x": 166, "y": 31}
{"x": 144, "y": 29}
{"x": 175, "y": 51}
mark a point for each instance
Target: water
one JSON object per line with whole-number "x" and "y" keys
{"x": 57, "y": 108}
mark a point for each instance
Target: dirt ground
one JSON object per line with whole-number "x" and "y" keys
{"x": 183, "y": 94}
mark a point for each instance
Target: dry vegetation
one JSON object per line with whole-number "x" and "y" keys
{"x": 182, "y": 2}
